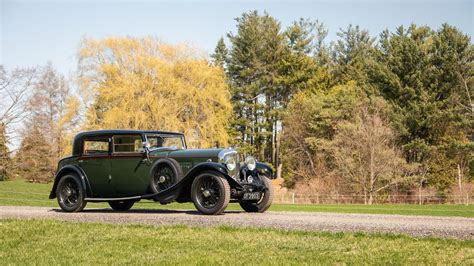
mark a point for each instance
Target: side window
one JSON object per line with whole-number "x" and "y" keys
{"x": 127, "y": 143}
{"x": 96, "y": 146}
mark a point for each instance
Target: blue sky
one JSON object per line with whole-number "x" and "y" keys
{"x": 35, "y": 32}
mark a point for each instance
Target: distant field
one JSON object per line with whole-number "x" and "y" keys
{"x": 53, "y": 242}
{"x": 21, "y": 193}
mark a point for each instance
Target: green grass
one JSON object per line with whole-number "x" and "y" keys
{"x": 21, "y": 193}
{"x": 54, "y": 242}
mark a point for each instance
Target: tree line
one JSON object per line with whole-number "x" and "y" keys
{"x": 366, "y": 115}
{"x": 361, "y": 115}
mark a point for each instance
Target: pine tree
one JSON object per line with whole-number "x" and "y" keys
{"x": 254, "y": 70}
{"x": 219, "y": 57}
{"x": 34, "y": 163}
{"x": 352, "y": 54}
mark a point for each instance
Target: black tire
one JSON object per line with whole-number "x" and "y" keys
{"x": 165, "y": 175}
{"x": 217, "y": 197}
{"x": 123, "y": 205}
{"x": 70, "y": 194}
{"x": 265, "y": 201}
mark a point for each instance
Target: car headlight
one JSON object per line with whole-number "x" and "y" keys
{"x": 230, "y": 163}
{"x": 251, "y": 163}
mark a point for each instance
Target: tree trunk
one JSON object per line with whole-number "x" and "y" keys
{"x": 365, "y": 196}
{"x": 460, "y": 183}
{"x": 277, "y": 155}
{"x": 419, "y": 193}
{"x": 274, "y": 144}
{"x": 371, "y": 198}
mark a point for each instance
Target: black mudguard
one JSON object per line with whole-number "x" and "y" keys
{"x": 67, "y": 170}
{"x": 182, "y": 188}
{"x": 266, "y": 170}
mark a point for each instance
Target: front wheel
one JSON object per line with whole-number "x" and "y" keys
{"x": 265, "y": 201}
{"x": 123, "y": 205}
{"x": 70, "y": 194}
{"x": 210, "y": 193}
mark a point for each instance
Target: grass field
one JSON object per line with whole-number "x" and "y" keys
{"x": 53, "y": 242}
{"x": 21, "y": 193}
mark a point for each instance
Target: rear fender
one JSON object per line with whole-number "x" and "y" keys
{"x": 68, "y": 169}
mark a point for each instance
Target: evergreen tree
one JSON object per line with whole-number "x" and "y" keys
{"x": 33, "y": 162}
{"x": 254, "y": 66}
{"x": 352, "y": 54}
{"x": 219, "y": 57}
{"x": 425, "y": 75}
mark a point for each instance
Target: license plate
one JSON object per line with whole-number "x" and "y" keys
{"x": 252, "y": 196}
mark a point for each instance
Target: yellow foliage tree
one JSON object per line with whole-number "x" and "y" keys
{"x": 143, "y": 83}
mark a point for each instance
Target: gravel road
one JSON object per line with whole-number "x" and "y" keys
{"x": 448, "y": 227}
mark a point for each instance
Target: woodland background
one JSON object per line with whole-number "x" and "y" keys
{"x": 373, "y": 116}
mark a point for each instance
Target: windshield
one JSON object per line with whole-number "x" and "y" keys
{"x": 155, "y": 141}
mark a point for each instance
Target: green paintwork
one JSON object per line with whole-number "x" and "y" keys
{"x": 99, "y": 170}
{"x": 122, "y": 175}
{"x": 189, "y": 158}
{"x": 130, "y": 176}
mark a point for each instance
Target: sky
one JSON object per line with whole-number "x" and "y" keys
{"x": 35, "y": 32}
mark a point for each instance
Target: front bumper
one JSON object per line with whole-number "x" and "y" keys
{"x": 255, "y": 186}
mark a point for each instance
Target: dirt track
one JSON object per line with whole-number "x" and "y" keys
{"x": 449, "y": 227}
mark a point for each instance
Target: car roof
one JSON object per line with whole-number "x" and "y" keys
{"x": 122, "y": 131}
{"x": 77, "y": 142}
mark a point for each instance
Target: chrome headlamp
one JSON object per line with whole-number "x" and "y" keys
{"x": 230, "y": 159}
{"x": 251, "y": 163}
{"x": 230, "y": 163}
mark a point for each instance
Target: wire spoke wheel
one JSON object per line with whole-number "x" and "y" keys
{"x": 163, "y": 178}
{"x": 210, "y": 193}
{"x": 69, "y": 194}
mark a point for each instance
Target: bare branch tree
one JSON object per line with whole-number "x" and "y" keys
{"x": 15, "y": 87}
{"x": 364, "y": 153}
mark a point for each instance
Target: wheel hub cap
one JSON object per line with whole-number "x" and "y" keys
{"x": 162, "y": 179}
{"x": 206, "y": 193}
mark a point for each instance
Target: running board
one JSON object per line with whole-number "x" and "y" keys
{"x": 112, "y": 199}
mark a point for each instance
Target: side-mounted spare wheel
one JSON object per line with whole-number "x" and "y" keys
{"x": 165, "y": 174}
{"x": 70, "y": 193}
{"x": 210, "y": 193}
{"x": 123, "y": 205}
{"x": 265, "y": 201}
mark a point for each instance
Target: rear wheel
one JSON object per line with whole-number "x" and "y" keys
{"x": 123, "y": 205}
{"x": 70, "y": 194}
{"x": 210, "y": 193}
{"x": 265, "y": 201}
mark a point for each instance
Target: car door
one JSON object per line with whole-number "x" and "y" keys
{"x": 130, "y": 173}
{"x": 96, "y": 165}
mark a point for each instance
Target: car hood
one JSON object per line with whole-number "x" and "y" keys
{"x": 196, "y": 153}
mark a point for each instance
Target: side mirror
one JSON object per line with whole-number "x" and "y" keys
{"x": 145, "y": 147}
{"x": 146, "y": 151}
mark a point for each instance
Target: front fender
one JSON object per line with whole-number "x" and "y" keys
{"x": 266, "y": 170}
{"x": 184, "y": 184}
{"x": 71, "y": 169}
{"x": 214, "y": 167}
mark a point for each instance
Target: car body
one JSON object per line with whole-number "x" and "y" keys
{"x": 125, "y": 166}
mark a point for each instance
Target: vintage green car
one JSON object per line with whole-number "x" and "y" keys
{"x": 122, "y": 167}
